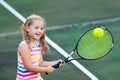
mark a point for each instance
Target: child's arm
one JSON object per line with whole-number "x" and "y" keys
{"x": 51, "y": 63}
{"x": 25, "y": 55}
{"x": 43, "y": 63}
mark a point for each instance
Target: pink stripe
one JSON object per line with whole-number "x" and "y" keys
{"x": 25, "y": 75}
{"x": 35, "y": 50}
{"x": 33, "y": 62}
{"x": 27, "y": 78}
{"x": 35, "y": 54}
{"x": 20, "y": 63}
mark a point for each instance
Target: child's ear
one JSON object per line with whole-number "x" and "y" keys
{"x": 27, "y": 28}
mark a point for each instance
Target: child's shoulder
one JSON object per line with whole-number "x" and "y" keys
{"x": 22, "y": 43}
{"x": 23, "y": 47}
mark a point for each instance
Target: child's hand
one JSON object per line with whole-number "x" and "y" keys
{"x": 62, "y": 63}
{"x": 50, "y": 69}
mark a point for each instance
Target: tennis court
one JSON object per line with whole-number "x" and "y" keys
{"x": 59, "y": 13}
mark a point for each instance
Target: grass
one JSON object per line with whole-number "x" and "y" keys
{"x": 99, "y": 67}
{"x": 60, "y": 13}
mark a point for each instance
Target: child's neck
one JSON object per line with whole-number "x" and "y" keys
{"x": 33, "y": 43}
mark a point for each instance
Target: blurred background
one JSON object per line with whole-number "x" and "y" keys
{"x": 66, "y": 20}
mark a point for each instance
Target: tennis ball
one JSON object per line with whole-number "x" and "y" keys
{"x": 98, "y": 32}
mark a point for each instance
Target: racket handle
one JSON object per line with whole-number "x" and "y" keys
{"x": 66, "y": 60}
{"x": 55, "y": 66}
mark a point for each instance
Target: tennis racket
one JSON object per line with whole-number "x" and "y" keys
{"x": 90, "y": 48}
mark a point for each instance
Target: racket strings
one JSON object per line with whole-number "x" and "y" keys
{"x": 84, "y": 50}
{"x": 89, "y": 47}
{"x": 86, "y": 47}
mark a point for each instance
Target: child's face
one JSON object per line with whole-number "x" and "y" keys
{"x": 36, "y": 29}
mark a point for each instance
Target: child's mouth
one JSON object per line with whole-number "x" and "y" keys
{"x": 38, "y": 34}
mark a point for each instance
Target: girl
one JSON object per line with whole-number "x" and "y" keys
{"x": 30, "y": 50}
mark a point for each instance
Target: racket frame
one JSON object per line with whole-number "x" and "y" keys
{"x": 75, "y": 49}
{"x": 66, "y": 60}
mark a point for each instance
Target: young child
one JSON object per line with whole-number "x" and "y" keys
{"x": 30, "y": 50}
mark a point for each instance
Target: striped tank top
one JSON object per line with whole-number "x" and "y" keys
{"x": 22, "y": 73}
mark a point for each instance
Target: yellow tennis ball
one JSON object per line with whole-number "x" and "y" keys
{"x": 98, "y": 32}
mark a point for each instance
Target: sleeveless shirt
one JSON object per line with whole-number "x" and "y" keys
{"x": 22, "y": 73}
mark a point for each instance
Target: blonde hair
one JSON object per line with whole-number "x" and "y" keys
{"x": 26, "y": 37}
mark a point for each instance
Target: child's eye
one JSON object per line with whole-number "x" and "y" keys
{"x": 36, "y": 27}
{"x": 42, "y": 28}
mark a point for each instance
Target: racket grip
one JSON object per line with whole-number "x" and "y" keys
{"x": 55, "y": 66}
